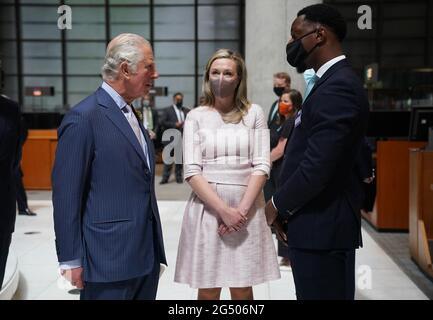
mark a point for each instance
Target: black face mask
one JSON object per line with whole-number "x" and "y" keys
{"x": 179, "y": 104}
{"x": 278, "y": 91}
{"x": 296, "y": 54}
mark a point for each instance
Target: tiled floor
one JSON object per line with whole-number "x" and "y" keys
{"x": 396, "y": 245}
{"x": 378, "y": 277}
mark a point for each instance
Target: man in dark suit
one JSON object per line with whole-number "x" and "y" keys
{"x": 281, "y": 82}
{"x": 149, "y": 117}
{"x": 319, "y": 192}
{"x": 23, "y": 207}
{"x": 108, "y": 230}
{"x": 9, "y": 142}
{"x": 174, "y": 118}
{"x": 366, "y": 175}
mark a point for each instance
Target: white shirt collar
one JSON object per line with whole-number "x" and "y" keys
{"x": 114, "y": 95}
{"x": 325, "y": 67}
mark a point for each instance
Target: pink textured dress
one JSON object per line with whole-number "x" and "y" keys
{"x": 226, "y": 155}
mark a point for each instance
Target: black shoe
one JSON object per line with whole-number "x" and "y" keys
{"x": 163, "y": 181}
{"x": 180, "y": 180}
{"x": 27, "y": 212}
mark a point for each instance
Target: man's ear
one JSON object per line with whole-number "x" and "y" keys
{"x": 321, "y": 35}
{"x": 124, "y": 70}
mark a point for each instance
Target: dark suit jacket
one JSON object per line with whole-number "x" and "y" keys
{"x": 155, "y": 119}
{"x": 103, "y": 194}
{"x": 9, "y": 145}
{"x": 320, "y": 186}
{"x": 156, "y": 125}
{"x": 271, "y": 112}
{"x": 169, "y": 117}
{"x": 364, "y": 162}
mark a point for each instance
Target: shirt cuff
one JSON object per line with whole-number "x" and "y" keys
{"x": 273, "y": 203}
{"x": 72, "y": 264}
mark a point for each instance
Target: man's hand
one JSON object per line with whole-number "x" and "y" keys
{"x": 270, "y": 212}
{"x": 369, "y": 180}
{"x": 152, "y": 134}
{"x": 279, "y": 231}
{"x": 74, "y": 276}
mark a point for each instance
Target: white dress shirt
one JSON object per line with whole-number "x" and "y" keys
{"x": 179, "y": 114}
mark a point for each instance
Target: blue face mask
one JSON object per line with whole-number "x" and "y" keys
{"x": 308, "y": 74}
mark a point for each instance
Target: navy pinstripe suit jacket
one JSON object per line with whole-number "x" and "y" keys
{"x": 105, "y": 209}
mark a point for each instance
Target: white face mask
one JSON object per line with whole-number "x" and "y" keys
{"x": 223, "y": 85}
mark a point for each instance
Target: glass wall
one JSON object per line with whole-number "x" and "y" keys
{"x": 184, "y": 33}
{"x": 400, "y": 43}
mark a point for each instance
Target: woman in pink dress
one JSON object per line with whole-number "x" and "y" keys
{"x": 225, "y": 240}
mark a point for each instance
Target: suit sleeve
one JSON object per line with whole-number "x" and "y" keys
{"x": 332, "y": 123}
{"x": 69, "y": 177}
{"x": 19, "y": 143}
{"x": 364, "y": 164}
{"x": 155, "y": 121}
{"x": 166, "y": 121}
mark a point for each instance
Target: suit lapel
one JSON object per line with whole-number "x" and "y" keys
{"x": 271, "y": 113}
{"x": 113, "y": 112}
{"x": 174, "y": 114}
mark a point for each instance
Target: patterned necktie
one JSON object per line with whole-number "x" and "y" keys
{"x": 133, "y": 122}
{"x": 310, "y": 86}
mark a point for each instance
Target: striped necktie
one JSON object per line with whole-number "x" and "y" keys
{"x": 133, "y": 122}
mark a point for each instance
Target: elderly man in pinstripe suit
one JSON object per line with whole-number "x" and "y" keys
{"x": 108, "y": 231}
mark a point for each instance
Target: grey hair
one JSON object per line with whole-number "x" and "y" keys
{"x": 124, "y": 47}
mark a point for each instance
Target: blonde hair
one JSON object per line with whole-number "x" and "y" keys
{"x": 241, "y": 103}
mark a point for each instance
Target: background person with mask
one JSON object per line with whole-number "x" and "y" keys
{"x": 149, "y": 117}
{"x": 282, "y": 82}
{"x": 319, "y": 190}
{"x": 225, "y": 241}
{"x": 173, "y": 118}
{"x": 280, "y": 132}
